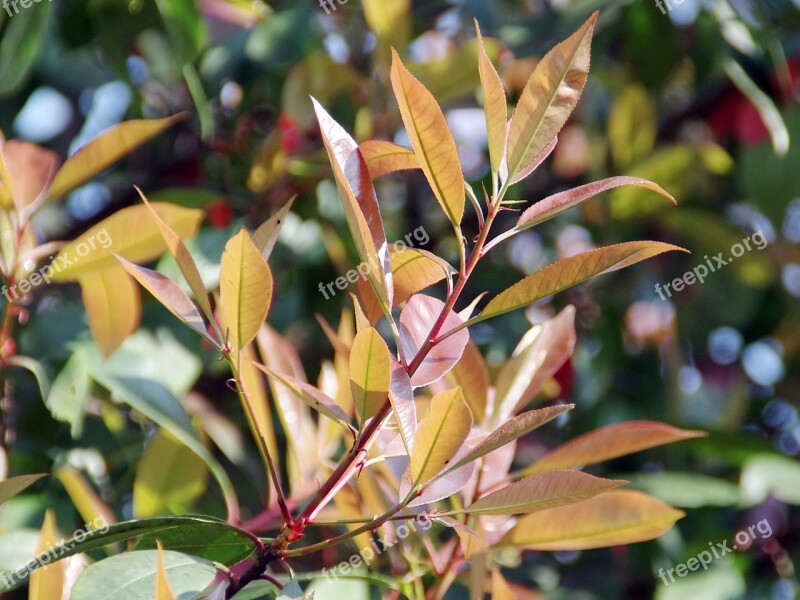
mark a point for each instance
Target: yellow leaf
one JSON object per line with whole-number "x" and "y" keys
{"x": 549, "y": 97}
{"x": 131, "y": 233}
{"x": 432, "y": 141}
{"x": 266, "y": 236}
{"x": 183, "y": 258}
{"x": 163, "y": 590}
{"x": 500, "y": 588}
{"x": 494, "y": 105}
{"x": 383, "y": 158}
{"x": 472, "y": 374}
{"x": 632, "y": 126}
{"x": 47, "y": 583}
{"x": 414, "y": 270}
{"x": 104, "y": 150}
{"x": 169, "y": 478}
{"x": 5, "y": 178}
{"x": 113, "y": 306}
{"x": 611, "y": 519}
{"x": 571, "y": 271}
{"x": 439, "y": 435}
{"x": 91, "y": 507}
{"x": 370, "y": 372}
{"x": 245, "y": 289}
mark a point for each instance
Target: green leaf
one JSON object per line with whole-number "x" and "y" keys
{"x": 69, "y": 393}
{"x": 549, "y": 97}
{"x": 772, "y": 475}
{"x": 169, "y": 478}
{"x": 132, "y": 576}
{"x": 688, "y": 490}
{"x": 432, "y": 141}
{"x": 14, "y": 485}
{"x": 20, "y": 46}
{"x": 567, "y": 272}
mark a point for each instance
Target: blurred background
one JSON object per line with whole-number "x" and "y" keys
{"x": 699, "y": 96}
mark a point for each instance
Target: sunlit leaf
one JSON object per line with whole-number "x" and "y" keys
{"x": 414, "y": 270}
{"x": 383, "y": 158}
{"x": 169, "y": 478}
{"x": 113, "y": 306}
{"x": 170, "y": 295}
{"x": 245, "y": 289}
{"x": 266, "y": 236}
{"x": 513, "y": 430}
{"x": 416, "y": 321}
{"x": 130, "y": 233}
{"x": 540, "y": 492}
{"x": 610, "y": 442}
{"x": 163, "y": 589}
{"x": 370, "y": 372}
{"x": 494, "y": 105}
{"x": 538, "y": 356}
{"x": 557, "y": 203}
{"x": 432, "y": 141}
{"x": 611, "y": 519}
{"x": 310, "y": 396}
{"x": 549, "y": 97}
{"x": 360, "y": 204}
{"x": 31, "y": 168}
{"x": 567, "y": 272}
{"x": 472, "y": 374}
{"x": 104, "y": 150}
{"x": 440, "y": 434}
{"x": 47, "y": 583}
{"x": 528, "y": 167}
{"x": 184, "y": 259}
{"x": 14, "y": 485}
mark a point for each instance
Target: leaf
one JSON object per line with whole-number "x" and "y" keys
{"x": 549, "y": 97}
{"x": 432, "y": 141}
{"x": 401, "y": 395}
{"x": 21, "y": 44}
{"x": 611, "y": 441}
{"x": 184, "y": 260}
{"x": 542, "y": 351}
{"x": 470, "y": 541}
{"x": 113, "y": 306}
{"x": 370, "y": 372}
{"x": 14, "y": 485}
{"x": 204, "y": 537}
{"x": 266, "y": 236}
{"x": 47, "y": 583}
{"x": 132, "y": 576}
{"x": 104, "y": 150}
{"x": 513, "y": 430}
{"x": 472, "y": 374}
{"x": 416, "y": 321}
{"x": 130, "y": 233}
{"x": 494, "y": 105}
{"x": 540, "y": 492}
{"x": 163, "y": 589}
{"x": 501, "y": 590}
{"x": 69, "y": 393}
{"x": 31, "y": 169}
{"x": 770, "y": 475}
{"x": 169, "y": 293}
{"x": 567, "y": 272}
{"x": 557, "y": 203}
{"x": 360, "y": 204}
{"x": 169, "y": 478}
{"x": 529, "y": 167}
{"x": 611, "y": 519}
{"x": 384, "y": 157}
{"x": 92, "y": 508}
{"x": 414, "y": 270}
{"x": 310, "y": 396}
{"x": 440, "y": 435}
{"x": 245, "y": 289}
{"x": 691, "y": 490}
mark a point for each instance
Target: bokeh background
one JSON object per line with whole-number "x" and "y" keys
{"x": 701, "y": 98}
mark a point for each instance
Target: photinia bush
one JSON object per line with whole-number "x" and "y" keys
{"x": 403, "y": 451}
